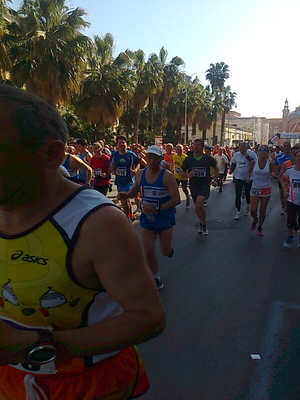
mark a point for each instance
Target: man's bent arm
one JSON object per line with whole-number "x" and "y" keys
{"x": 125, "y": 276}
{"x": 115, "y": 254}
{"x": 171, "y": 184}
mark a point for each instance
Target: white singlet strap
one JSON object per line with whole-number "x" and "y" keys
{"x": 33, "y": 390}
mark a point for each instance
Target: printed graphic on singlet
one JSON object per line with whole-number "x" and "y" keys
{"x": 296, "y": 183}
{"x": 35, "y": 287}
{"x": 200, "y": 172}
{"x": 255, "y": 192}
{"x": 148, "y": 191}
{"x": 48, "y": 368}
{"x": 121, "y": 171}
{"x": 241, "y": 164}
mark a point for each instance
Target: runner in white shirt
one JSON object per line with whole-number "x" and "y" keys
{"x": 261, "y": 189}
{"x": 239, "y": 165}
{"x": 291, "y": 185}
{"x": 222, "y": 162}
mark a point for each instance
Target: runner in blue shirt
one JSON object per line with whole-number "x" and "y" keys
{"x": 124, "y": 164}
{"x": 160, "y": 196}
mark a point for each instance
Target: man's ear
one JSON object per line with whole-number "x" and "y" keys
{"x": 54, "y": 153}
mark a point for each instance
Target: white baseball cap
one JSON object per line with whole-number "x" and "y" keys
{"x": 154, "y": 150}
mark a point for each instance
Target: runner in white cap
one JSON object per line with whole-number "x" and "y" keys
{"x": 159, "y": 194}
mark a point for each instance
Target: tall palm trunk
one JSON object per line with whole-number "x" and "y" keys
{"x": 101, "y": 130}
{"x": 214, "y": 133}
{"x": 178, "y": 132}
{"x": 136, "y": 122}
{"x": 160, "y": 115}
{"x": 151, "y": 112}
{"x": 222, "y": 129}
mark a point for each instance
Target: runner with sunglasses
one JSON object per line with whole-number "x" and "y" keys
{"x": 261, "y": 189}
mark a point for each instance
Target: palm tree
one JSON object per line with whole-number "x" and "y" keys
{"x": 5, "y": 63}
{"x": 171, "y": 78}
{"x": 146, "y": 83}
{"x": 217, "y": 75}
{"x": 175, "y": 111}
{"x": 204, "y": 114}
{"x": 48, "y": 51}
{"x": 107, "y": 87}
{"x": 228, "y": 101}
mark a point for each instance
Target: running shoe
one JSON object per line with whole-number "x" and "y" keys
{"x": 188, "y": 201}
{"x": 237, "y": 215}
{"x": 205, "y": 203}
{"x": 288, "y": 242}
{"x": 259, "y": 231}
{"x": 282, "y": 211}
{"x": 205, "y": 230}
{"x": 298, "y": 244}
{"x": 247, "y": 210}
{"x": 253, "y": 225}
{"x": 200, "y": 230}
{"x": 172, "y": 253}
{"x": 159, "y": 283}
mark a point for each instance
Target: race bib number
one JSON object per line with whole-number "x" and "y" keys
{"x": 296, "y": 183}
{"x": 97, "y": 172}
{"x": 147, "y": 202}
{"x": 255, "y": 192}
{"x": 121, "y": 171}
{"x": 200, "y": 172}
{"x": 241, "y": 164}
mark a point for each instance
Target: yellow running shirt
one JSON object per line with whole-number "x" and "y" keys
{"x": 178, "y": 160}
{"x": 38, "y": 289}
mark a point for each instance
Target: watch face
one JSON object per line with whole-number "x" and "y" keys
{"x": 42, "y": 354}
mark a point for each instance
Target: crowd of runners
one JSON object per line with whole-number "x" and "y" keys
{"x": 153, "y": 175}
{"x": 71, "y": 310}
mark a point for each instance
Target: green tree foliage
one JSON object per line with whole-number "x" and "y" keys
{"x": 43, "y": 49}
{"x": 47, "y": 50}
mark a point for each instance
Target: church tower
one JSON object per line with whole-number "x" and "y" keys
{"x": 285, "y": 116}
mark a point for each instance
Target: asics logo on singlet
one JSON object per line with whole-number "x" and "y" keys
{"x": 19, "y": 254}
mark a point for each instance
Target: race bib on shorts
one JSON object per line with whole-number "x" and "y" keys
{"x": 121, "y": 171}
{"x": 255, "y": 192}
{"x": 48, "y": 369}
{"x": 200, "y": 172}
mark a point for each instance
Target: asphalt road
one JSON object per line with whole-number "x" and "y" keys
{"x": 232, "y": 301}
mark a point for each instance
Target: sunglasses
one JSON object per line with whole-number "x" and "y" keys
{"x": 263, "y": 149}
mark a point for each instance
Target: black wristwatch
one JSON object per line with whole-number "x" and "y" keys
{"x": 43, "y": 351}
{"x": 157, "y": 208}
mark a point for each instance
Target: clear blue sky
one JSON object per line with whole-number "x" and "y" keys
{"x": 258, "y": 39}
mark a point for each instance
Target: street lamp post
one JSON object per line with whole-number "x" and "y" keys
{"x": 186, "y": 129}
